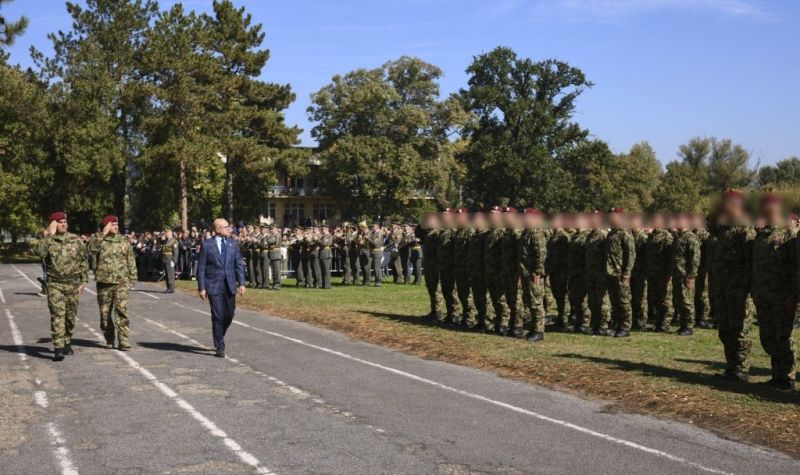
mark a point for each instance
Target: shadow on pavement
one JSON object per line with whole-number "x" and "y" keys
{"x": 32, "y": 351}
{"x": 165, "y": 346}
{"x": 760, "y": 391}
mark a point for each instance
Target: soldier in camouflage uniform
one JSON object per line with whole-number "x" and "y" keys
{"x": 272, "y": 242}
{"x": 462, "y": 236}
{"x": 169, "y": 258}
{"x": 429, "y": 234}
{"x": 532, "y": 253}
{"x": 67, "y": 264}
{"x": 444, "y": 264}
{"x": 639, "y": 275}
{"x": 493, "y": 253}
{"x": 557, "y": 269}
{"x": 510, "y": 271}
{"x": 702, "y": 307}
{"x": 658, "y": 255}
{"x": 596, "y": 286}
{"x": 416, "y": 256}
{"x": 576, "y": 270}
{"x": 685, "y": 265}
{"x": 364, "y": 254}
{"x": 733, "y": 268}
{"x": 376, "y": 251}
{"x": 407, "y": 241}
{"x": 620, "y": 255}
{"x": 775, "y": 289}
{"x": 325, "y": 257}
{"x": 395, "y": 240}
{"x": 115, "y": 274}
{"x": 477, "y": 271}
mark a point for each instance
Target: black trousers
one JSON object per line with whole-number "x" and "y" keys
{"x": 223, "y": 307}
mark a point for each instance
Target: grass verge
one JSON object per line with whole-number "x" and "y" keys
{"x": 17, "y": 253}
{"x": 658, "y": 374}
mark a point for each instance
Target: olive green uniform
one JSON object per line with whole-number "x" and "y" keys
{"x": 576, "y": 285}
{"x": 430, "y": 244}
{"x": 620, "y": 255}
{"x": 115, "y": 271}
{"x": 532, "y": 252}
{"x": 685, "y": 265}
{"x": 596, "y": 285}
{"x": 658, "y": 254}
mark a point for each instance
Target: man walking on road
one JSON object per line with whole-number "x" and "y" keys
{"x": 220, "y": 271}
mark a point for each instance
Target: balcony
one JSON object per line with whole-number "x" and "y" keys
{"x": 281, "y": 191}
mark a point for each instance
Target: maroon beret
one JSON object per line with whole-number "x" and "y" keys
{"x": 532, "y": 211}
{"x": 509, "y": 209}
{"x": 496, "y": 209}
{"x": 731, "y": 193}
{"x": 58, "y": 216}
{"x": 109, "y": 219}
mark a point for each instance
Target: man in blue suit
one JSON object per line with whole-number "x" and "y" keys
{"x": 220, "y": 272}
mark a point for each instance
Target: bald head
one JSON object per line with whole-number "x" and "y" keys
{"x": 222, "y": 228}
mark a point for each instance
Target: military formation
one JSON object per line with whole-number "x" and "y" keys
{"x": 612, "y": 273}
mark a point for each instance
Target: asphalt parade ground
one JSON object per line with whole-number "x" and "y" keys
{"x": 294, "y": 398}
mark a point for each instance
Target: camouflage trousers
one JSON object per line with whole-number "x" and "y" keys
{"x": 477, "y": 284}
{"x": 558, "y": 286}
{"x": 432, "y": 285}
{"x": 734, "y": 326}
{"x": 113, "y": 302}
{"x": 776, "y": 315}
{"x": 62, "y": 300}
{"x": 496, "y": 285}
{"x": 576, "y": 288}
{"x": 596, "y": 290}
{"x": 448, "y": 282}
{"x": 638, "y": 291}
{"x": 463, "y": 293}
{"x": 683, "y": 300}
{"x": 619, "y": 293}
{"x": 511, "y": 293}
{"x": 533, "y": 299}
{"x": 659, "y": 300}
{"x": 702, "y": 307}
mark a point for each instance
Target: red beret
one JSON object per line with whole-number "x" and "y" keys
{"x": 532, "y": 211}
{"x": 509, "y": 209}
{"x": 793, "y": 217}
{"x": 461, "y": 211}
{"x": 109, "y": 219}
{"x": 58, "y": 216}
{"x": 496, "y": 209}
{"x": 616, "y": 210}
{"x": 731, "y": 193}
{"x": 447, "y": 211}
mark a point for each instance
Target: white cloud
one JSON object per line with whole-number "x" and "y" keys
{"x": 615, "y": 9}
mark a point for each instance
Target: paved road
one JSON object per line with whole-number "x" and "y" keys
{"x": 292, "y": 398}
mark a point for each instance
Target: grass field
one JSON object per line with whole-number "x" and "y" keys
{"x": 18, "y": 253}
{"x": 659, "y": 374}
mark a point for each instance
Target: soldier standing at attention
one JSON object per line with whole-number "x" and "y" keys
{"x": 115, "y": 274}
{"x": 415, "y": 256}
{"x": 341, "y": 242}
{"x": 313, "y": 258}
{"x": 67, "y": 263}
{"x": 493, "y": 254}
{"x": 532, "y": 252}
{"x": 444, "y": 265}
{"x": 275, "y": 258}
{"x": 596, "y": 285}
{"x": 775, "y": 289}
{"x": 263, "y": 256}
{"x": 169, "y": 255}
{"x": 576, "y": 268}
{"x": 734, "y": 264}
{"x": 430, "y": 238}
{"x": 351, "y": 239}
{"x": 620, "y": 254}
{"x": 557, "y": 266}
{"x": 325, "y": 257}
{"x": 685, "y": 265}
{"x": 702, "y": 306}
{"x": 477, "y": 271}
{"x": 461, "y": 239}
{"x": 376, "y": 250}
{"x": 406, "y": 242}
{"x": 639, "y": 274}
{"x": 295, "y": 256}
{"x": 364, "y": 254}
{"x": 255, "y": 252}
{"x": 509, "y": 264}
{"x": 243, "y": 238}
{"x": 394, "y": 243}
{"x": 658, "y": 255}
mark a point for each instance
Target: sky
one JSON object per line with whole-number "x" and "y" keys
{"x": 664, "y": 70}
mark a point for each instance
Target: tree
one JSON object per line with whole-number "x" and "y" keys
{"x": 636, "y": 174}
{"x": 523, "y": 123}
{"x": 383, "y": 136}
{"x": 10, "y": 30}
{"x": 785, "y": 173}
{"x": 680, "y": 190}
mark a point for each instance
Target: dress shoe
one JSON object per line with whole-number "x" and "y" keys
{"x": 622, "y": 334}
{"x": 68, "y": 350}
{"x": 782, "y": 384}
{"x": 739, "y": 376}
{"x": 124, "y": 346}
{"x": 663, "y": 328}
{"x": 58, "y": 354}
{"x": 515, "y": 333}
{"x": 686, "y": 331}
{"x": 220, "y": 353}
{"x": 533, "y": 337}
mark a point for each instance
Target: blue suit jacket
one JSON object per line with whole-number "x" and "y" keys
{"x": 215, "y": 276}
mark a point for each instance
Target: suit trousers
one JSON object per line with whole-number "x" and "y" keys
{"x": 223, "y": 307}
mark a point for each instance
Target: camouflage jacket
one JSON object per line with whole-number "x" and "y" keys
{"x": 461, "y": 241}
{"x": 557, "y": 261}
{"x": 476, "y": 252}
{"x": 509, "y": 252}
{"x": 658, "y": 253}
{"x": 705, "y": 237}
{"x": 272, "y": 245}
{"x": 620, "y": 252}
{"x": 640, "y": 240}
{"x": 576, "y": 260}
{"x": 532, "y": 252}
{"x": 116, "y": 263}
{"x": 775, "y": 262}
{"x": 493, "y": 251}
{"x": 733, "y": 256}
{"x": 445, "y": 249}
{"x": 595, "y": 252}
{"x": 66, "y": 258}
{"x": 685, "y": 254}
{"x": 430, "y": 249}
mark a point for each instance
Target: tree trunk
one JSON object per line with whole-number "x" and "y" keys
{"x": 229, "y": 191}
{"x": 184, "y": 205}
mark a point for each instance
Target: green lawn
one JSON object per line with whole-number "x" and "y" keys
{"x": 651, "y": 373}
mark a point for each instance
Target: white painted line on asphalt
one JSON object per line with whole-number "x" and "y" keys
{"x": 60, "y": 450}
{"x": 2, "y": 297}
{"x": 212, "y": 428}
{"x": 148, "y": 294}
{"x": 26, "y": 277}
{"x": 542, "y": 417}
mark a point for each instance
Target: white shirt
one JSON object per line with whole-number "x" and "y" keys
{"x": 218, "y": 240}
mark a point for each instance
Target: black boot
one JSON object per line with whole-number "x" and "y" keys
{"x": 662, "y": 328}
{"x": 533, "y": 337}
{"x": 622, "y": 334}
{"x": 782, "y": 384}
{"x": 480, "y": 327}
{"x": 500, "y": 330}
{"x": 68, "y": 350}
{"x": 558, "y": 325}
{"x": 515, "y": 332}
{"x": 685, "y": 331}
{"x": 733, "y": 375}
{"x": 59, "y": 354}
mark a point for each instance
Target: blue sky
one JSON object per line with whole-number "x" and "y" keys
{"x": 664, "y": 70}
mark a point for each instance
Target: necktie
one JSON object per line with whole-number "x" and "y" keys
{"x": 224, "y": 249}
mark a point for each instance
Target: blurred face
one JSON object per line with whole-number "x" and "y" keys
{"x": 657, "y": 221}
{"x": 168, "y": 233}
{"x": 581, "y": 221}
{"x": 733, "y": 208}
{"x": 447, "y": 220}
{"x": 772, "y": 213}
{"x": 431, "y": 221}
{"x": 496, "y": 219}
{"x": 512, "y": 220}
{"x": 61, "y": 226}
{"x": 114, "y": 229}
{"x": 617, "y": 220}
{"x": 596, "y": 221}
{"x": 479, "y": 221}
{"x": 533, "y": 220}
{"x": 462, "y": 220}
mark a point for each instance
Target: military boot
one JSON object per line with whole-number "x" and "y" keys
{"x": 58, "y": 354}
{"x": 68, "y": 350}
{"x": 534, "y": 337}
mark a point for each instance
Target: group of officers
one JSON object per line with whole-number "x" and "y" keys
{"x": 610, "y": 273}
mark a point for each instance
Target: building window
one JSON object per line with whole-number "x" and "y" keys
{"x": 296, "y": 182}
{"x": 321, "y": 211}
{"x": 271, "y": 212}
{"x": 297, "y": 212}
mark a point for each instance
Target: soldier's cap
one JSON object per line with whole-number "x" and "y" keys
{"x": 396, "y": 223}
{"x": 794, "y": 217}
{"x": 58, "y": 216}
{"x": 362, "y": 224}
{"x": 462, "y": 211}
{"x": 771, "y": 198}
{"x": 616, "y": 210}
{"x": 496, "y": 209}
{"x": 109, "y": 219}
{"x": 534, "y": 211}
{"x": 730, "y": 193}
{"x": 509, "y": 209}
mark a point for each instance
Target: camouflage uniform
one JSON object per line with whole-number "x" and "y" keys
{"x": 639, "y": 280}
{"x": 658, "y": 253}
{"x": 620, "y": 255}
{"x": 701, "y": 300}
{"x": 376, "y": 248}
{"x": 532, "y": 252}
{"x": 67, "y": 269}
{"x": 477, "y": 274}
{"x": 557, "y": 270}
{"x": 116, "y": 270}
{"x": 732, "y": 266}
{"x": 576, "y": 284}
{"x": 494, "y": 277}
{"x": 461, "y": 240}
{"x": 509, "y": 265}
{"x": 596, "y": 279}
{"x": 685, "y": 265}
{"x": 274, "y": 258}
{"x": 775, "y": 295}
{"x": 444, "y": 265}
{"x": 169, "y": 256}
{"x": 325, "y": 259}
{"x": 430, "y": 268}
